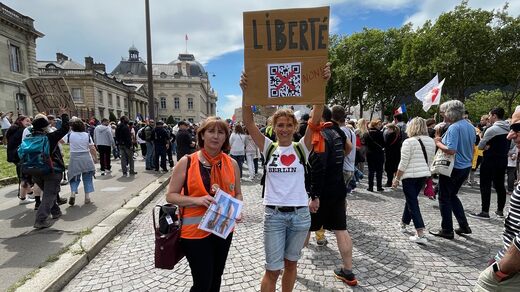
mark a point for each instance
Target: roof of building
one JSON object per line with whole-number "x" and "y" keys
{"x": 130, "y": 68}
{"x": 63, "y": 64}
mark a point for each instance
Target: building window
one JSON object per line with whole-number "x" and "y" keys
{"x": 100, "y": 96}
{"x": 124, "y": 102}
{"x": 177, "y": 119}
{"x": 76, "y": 94}
{"x": 190, "y": 103}
{"x": 163, "y": 102}
{"x": 14, "y": 58}
{"x": 21, "y": 103}
{"x": 190, "y": 120}
{"x": 110, "y": 101}
{"x": 118, "y": 100}
{"x": 176, "y": 103}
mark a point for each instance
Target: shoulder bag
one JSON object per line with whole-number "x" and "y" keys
{"x": 168, "y": 251}
{"x": 428, "y": 188}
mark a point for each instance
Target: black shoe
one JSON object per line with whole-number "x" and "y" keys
{"x": 380, "y": 189}
{"x": 480, "y": 215}
{"x": 444, "y": 234}
{"x": 72, "y": 201}
{"x": 44, "y": 224}
{"x": 37, "y": 205}
{"x": 370, "y": 190}
{"x": 388, "y": 184}
{"x": 133, "y": 172}
{"x": 61, "y": 201}
{"x": 465, "y": 230}
{"x": 349, "y": 279}
{"x": 149, "y": 168}
{"x": 500, "y": 214}
{"x": 56, "y": 216}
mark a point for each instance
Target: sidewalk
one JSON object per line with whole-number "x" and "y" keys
{"x": 384, "y": 259}
{"x": 25, "y": 249}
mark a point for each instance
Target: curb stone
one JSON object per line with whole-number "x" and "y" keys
{"x": 56, "y": 275}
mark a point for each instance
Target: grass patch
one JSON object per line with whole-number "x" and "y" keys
{"x": 22, "y": 281}
{"x": 8, "y": 169}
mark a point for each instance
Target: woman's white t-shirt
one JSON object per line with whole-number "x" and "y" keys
{"x": 285, "y": 176}
{"x": 79, "y": 141}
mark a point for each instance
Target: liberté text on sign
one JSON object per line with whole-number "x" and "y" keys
{"x": 49, "y": 93}
{"x": 284, "y": 53}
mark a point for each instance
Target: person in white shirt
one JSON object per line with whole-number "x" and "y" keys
{"x": 5, "y": 125}
{"x": 237, "y": 140}
{"x": 416, "y": 157}
{"x": 287, "y": 218}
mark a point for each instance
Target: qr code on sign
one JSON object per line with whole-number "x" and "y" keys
{"x": 285, "y": 79}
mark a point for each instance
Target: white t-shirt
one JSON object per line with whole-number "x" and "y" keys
{"x": 78, "y": 141}
{"x": 285, "y": 176}
{"x": 237, "y": 142}
{"x": 350, "y": 159}
{"x": 5, "y": 123}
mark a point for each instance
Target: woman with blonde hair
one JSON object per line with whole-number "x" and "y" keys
{"x": 416, "y": 157}
{"x": 361, "y": 149}
{"x": 201, "y": 172}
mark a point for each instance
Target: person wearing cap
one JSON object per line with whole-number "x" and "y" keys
{"x": 50, "y": 183}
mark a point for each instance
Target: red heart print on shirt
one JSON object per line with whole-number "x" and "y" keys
{"x": 287, "y": 159}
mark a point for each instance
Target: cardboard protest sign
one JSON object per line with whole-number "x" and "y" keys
{"x": 284, "y": 53}
{"x": 49, "y": 93}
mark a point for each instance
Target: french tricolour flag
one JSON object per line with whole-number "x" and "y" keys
{"x": 400, "y": 110}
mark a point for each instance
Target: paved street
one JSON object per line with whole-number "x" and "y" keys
{"x": 384, "y": 260}
{"x": 25, "y": 249}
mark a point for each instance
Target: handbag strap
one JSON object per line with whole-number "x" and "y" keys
{"x": 423, "y": 151}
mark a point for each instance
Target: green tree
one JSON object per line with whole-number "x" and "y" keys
{"x": 170, "y": 120}
{"x": 480, "y": 103}
{"x": 112, "y": 117}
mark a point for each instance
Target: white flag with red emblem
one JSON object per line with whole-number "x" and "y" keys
{"x": 430, "y": 94}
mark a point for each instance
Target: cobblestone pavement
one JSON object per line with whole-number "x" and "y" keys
{"x": 384, "y": 259}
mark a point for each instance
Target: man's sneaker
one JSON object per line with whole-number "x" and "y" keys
{"x": 103, "y": 173}
{"x": 64, "y": 182}
{"x": 133, "y": 172}
{"x": 500, "y": 214}
{"x": 44, "y": 224}
{"x": 25, "y": 201}
{"x": 480, "y": 215}
{"x": 419, "y": 239}
{"x": 461, "y": 231}
{"x": 72, "y": 201}
{"x": 321, "y": 242}
{"x": 349, "y": 279}
{"x": 443, "y": 234}
{"x": 125, "y": 174}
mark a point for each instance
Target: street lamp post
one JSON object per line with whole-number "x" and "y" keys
{"x": 151, "y": 99}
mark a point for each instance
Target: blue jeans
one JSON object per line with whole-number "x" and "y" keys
{"x": 88, "y": 182}
{"x": 149, "y": 163}
{"x": 449, "y": 201}
{"x": 411, "y": 188}
{"x": 240, "y": 160}
{"x": 284, "y": 236}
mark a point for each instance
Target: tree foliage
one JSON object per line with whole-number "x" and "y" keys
{"x": 474, "y": 49}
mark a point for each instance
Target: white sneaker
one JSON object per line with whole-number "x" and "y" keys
{"x": 26, "y": 201}
{"x": 402, "y": 227}
{"x": 102, "y": 173}
{"x": 419, "y": 239}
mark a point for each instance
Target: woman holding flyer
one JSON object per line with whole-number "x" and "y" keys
{"x": 287, "y": 219}
{"x": 204, "y": 172}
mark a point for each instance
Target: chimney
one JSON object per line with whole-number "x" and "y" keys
{"x": 60, "y": 57}
{"x": 89, "y": 62}
{"x": 99, "y": 67}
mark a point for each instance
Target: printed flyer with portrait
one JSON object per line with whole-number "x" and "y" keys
{"x": 220, "y": 218}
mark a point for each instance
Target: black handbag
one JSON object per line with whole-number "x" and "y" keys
{"x": 168, "y": 250}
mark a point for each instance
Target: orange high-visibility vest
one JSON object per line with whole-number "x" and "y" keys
{"x": 193, "y": 215}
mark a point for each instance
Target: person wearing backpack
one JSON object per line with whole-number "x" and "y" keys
{"x": 49, "y": 181}
{"x": 124, "y": 140}
{"x": 286, "y": 218}
{"x": 328, "y": 191}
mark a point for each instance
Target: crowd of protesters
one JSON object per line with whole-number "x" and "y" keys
{"x": 305, "y": 194}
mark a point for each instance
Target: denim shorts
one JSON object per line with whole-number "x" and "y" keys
{"x": 284, "y": 236}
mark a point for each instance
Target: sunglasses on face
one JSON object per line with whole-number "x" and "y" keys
{"x": 515, "y": 127}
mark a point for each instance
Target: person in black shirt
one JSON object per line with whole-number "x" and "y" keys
{"x": 183, "y": 139}
{"x": 124, "y": 140}
{"x": 375, "y": 142}
{"x": 161, "y": 142}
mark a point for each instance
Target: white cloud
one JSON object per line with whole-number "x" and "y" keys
{"x": 431, "y": 9}
{"x": 232, "y": 102}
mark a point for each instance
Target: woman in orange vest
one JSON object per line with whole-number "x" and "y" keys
{"x": 206, "y": 253}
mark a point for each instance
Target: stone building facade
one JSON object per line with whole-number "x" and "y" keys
{"x": 96, "y": 93}
{"x": 17, "y": 60}
{"x": 182, "y": 88}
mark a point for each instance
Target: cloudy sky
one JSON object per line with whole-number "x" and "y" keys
{"x": 106, "y": 29}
